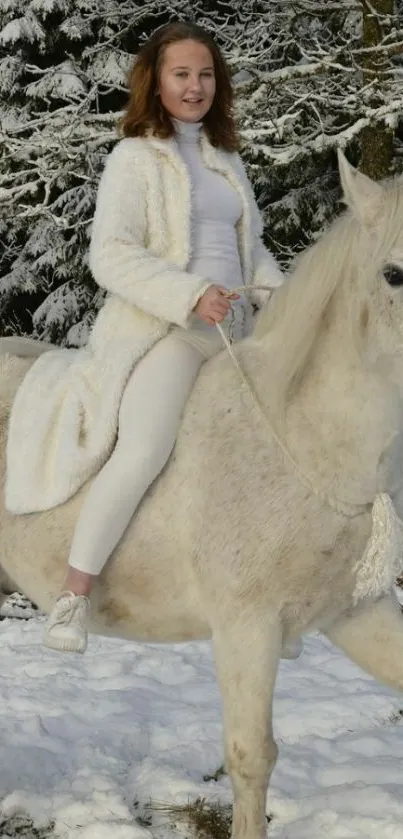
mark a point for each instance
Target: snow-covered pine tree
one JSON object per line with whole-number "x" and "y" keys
{"x": 381, "y": 80}
{"x": 301, "y": 90}
{"x": 63, "y": 66}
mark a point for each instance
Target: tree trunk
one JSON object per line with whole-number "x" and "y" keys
{"x": 376, "y": 140}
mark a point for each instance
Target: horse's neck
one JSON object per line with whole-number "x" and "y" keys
{"x": 341, "y": 421}
{"x": 346, "y": 418}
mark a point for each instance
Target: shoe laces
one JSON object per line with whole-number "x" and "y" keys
{"x": 73, "y": 606}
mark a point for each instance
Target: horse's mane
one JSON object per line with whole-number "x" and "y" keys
{"x": 292, "y": 319}
{"x": 296, "y": 314}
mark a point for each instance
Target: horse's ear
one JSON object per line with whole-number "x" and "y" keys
{"x": 362, "y": 195}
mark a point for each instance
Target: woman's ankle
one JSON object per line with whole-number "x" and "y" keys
{"x": 78, "y": 582}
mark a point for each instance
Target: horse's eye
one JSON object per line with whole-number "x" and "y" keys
{"x": 393, "y": 275}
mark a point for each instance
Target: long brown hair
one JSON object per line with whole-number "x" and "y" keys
{"x": 144, "y": 112}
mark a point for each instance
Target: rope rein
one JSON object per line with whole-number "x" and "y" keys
{"x": 349, "y": 510}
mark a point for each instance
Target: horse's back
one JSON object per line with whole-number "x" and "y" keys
{"x": 12, "y": 371}
{"x": 23, "y": 347}
{"x": 16, "y": 357}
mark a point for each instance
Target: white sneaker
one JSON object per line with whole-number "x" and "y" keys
{"x": 292, "y": 649}
{"x": 66, "y": 627}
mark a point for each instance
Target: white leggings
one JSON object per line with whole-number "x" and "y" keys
{"x": 149, "y": 418}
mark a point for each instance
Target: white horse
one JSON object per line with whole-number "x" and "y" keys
{"x": 255, "y": 531}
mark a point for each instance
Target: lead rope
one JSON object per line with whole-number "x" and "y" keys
{"x": 350, "y": 510}
{"x": 382, "y": 561}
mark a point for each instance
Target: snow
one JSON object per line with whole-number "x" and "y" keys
{"x": 88, "y": 741}
{"x": 61, "y": 82}
{"x": 27, "y": 27}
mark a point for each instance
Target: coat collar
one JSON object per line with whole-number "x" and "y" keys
{"x": 214, "y": 158}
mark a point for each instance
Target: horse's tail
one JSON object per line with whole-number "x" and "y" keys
{"x": 23, "y": 347}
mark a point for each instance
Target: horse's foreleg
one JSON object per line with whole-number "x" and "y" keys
{"x": 6, "y": 584}
{"x": 247, "y": 650}
{"x": 372, "y": 636}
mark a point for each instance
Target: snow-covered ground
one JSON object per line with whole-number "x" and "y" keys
{"x": 87, "y": 742}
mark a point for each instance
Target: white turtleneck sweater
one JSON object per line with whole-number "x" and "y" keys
{"x": 215, "y": 210}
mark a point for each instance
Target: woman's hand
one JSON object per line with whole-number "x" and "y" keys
{"x": 214, "y": 304}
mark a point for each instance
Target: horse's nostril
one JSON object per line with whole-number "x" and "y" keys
{"x": 393, "y": 275}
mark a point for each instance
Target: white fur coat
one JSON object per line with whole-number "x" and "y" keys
{"x": 64, "y": 420}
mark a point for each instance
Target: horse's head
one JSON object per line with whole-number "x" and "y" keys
{"x": 375, "y": 212}
{"x": 343, "y": 301}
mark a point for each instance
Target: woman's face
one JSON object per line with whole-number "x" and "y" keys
{"x": 187, "y": 81}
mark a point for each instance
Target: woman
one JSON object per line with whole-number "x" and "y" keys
{"x": 174, "y": 185}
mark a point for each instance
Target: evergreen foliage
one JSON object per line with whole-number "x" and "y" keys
{"x": 301, "y": 91}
